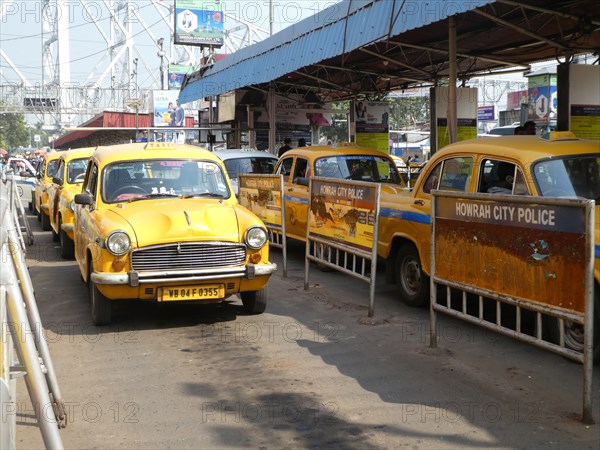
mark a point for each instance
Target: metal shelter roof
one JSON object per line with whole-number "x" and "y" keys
{"x": 370, "y": 47}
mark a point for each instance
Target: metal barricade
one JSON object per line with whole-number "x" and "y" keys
{"x": 16, "y": 206}
{"x": 346, "y": 240}
{"x": 532, "y": 253}
{"x": 22, "y": 321}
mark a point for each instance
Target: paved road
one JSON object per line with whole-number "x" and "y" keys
{"x": 312, "y": 372}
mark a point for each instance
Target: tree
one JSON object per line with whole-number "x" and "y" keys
{"x": 13, "y": 131}
{"x": 408, "y": 112}
{"x": 337, "y": 131}
{"x": 38, "y": 129}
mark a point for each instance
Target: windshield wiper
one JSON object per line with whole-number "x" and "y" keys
{"x": 204, "y": 194}
{"x": 147, "y": 196}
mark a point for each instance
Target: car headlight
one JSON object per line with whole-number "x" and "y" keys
{"x": 256, "y": 237}
{"x": 118, "y": 243}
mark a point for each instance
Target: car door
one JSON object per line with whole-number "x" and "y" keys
{"x": 454, "y": 173}
{"x": 295, "y": 171}
{"x": 54, "y": 193}
{"x": 84, "y": 231}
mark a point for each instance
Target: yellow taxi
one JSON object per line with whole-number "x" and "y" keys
{"x": 342, "y": 162}
{"x": 561, "y": 166}
{"x": 66, "y": 182}
{"x": 160, "y": 222}
{"x": 46, "y": 171}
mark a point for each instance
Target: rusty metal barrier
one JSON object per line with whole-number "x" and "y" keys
{"x": 263, "y": 195}
{"x": 342, "y": 229}
{"x": 534, "y": 253}
{"x": 22, "y": 321}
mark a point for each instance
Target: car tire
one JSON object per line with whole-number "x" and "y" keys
{"x": 55, "y": 235}
{"x": 45, "y": 222}
{"x": 38, "y": 213}
{"x": 255, "y": 302}
{"x": 574, "y": 332}
{"x": 30, "y": 206}
{"x": 101, "y": 306}
{"x": 412, "y": 282}
{"x": 67, "y": 246}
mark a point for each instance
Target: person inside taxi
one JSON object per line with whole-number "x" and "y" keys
{"x": 529, "y": 128}
{"x": 506, "y": 175}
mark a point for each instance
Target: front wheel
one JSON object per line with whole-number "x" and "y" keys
{"x": 574, "y": 337}
{"x": 45, "y": 222}
{"x": 67, "y": 247}
{"x": 101, "y": 306}
{"x": 412, "y": 282}
{"x": 255, "y": 302}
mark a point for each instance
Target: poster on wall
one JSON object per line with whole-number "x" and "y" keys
{"x": 199, "y": 22}
{"x": 585, "y": 121}
{"x": 166, "y": 112}
{"x": 466, "y": 110}
{"x": 372, "y": 125}
{"x": 543, "y": 99}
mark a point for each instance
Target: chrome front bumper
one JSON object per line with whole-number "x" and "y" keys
{"x": 133, "y": 278}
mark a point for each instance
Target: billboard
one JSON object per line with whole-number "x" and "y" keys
{"x": 176, "y": 74}
{"x": 372, "y": 128}
{"x": 166, "y": 112}
{"x": 199, "y": 22}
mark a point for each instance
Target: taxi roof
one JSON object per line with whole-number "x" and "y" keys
{"x": 84, "y": 152}
{"x": 53, "y": 155}
{"x": 318, "y": 151}
{"x": 150, "y": 150}
{"x": 523, "y": 148}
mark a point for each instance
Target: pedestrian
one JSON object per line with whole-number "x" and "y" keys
{"x": 285, "y": 147}
{"x": 301, "y": 142}
{"x": 529, "y": 127}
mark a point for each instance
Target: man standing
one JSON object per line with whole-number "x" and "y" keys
{"x": 286, "y": 146}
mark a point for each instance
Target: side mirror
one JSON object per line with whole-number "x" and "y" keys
{"x": 302, "y": 181}
{"x": 25, "y": 174}
{"x": 84, "y": 199}
{"x": 57, "y": 180}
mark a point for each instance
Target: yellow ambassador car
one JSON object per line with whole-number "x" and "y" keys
{"x": 343, "y": 162}
{"x": 46, "y": 170}
{"x": 559, "y": 166}
{"x": 160, "y": 222}
{"x": 66, "y": 182}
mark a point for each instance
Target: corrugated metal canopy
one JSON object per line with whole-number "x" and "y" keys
{"x": 369, "y": 47}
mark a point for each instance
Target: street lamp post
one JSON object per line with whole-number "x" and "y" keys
{"x": 161, "y": 54}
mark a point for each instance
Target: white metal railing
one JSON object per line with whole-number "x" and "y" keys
{"x": 22, "y": 334}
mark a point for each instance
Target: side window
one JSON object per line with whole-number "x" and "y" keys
{"x": 285, "y": 168}
{"x": 301, "y": 169}
{"x": 501, "y": 177}
{"x": 456, "y": 174}
{"x": 60, "y": 169}
{"x": 433, "y": 179}
{"x": 91, "y": 181}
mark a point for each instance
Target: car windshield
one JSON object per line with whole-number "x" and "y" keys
{"x": 52, "y": 166}
{"x": 357, "y": 167}
{"x": 256, "y": 164}
{"x": 76, "y": 170}
{"x": 572, "y": 176}
{"x": 139, "y": 180}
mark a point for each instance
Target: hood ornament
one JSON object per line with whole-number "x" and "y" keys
{"x": 187, "y": 217}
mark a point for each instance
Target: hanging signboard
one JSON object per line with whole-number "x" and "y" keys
{"x": 199, "y": 22}
{"x": 372, "y": 128}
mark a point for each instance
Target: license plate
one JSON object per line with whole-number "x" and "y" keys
{"x": 182, "y": 293}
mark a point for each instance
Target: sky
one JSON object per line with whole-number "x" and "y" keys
{"x": 22, "y": 35}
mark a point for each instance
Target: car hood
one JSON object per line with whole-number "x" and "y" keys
{"x": 156, "y": 222}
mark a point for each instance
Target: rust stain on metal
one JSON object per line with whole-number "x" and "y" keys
{"x": 544, "y": 266}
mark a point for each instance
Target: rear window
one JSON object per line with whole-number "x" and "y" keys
{"x": 258, "y": 164}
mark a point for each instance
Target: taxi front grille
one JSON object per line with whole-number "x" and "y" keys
{"x": 188, "y": 256}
